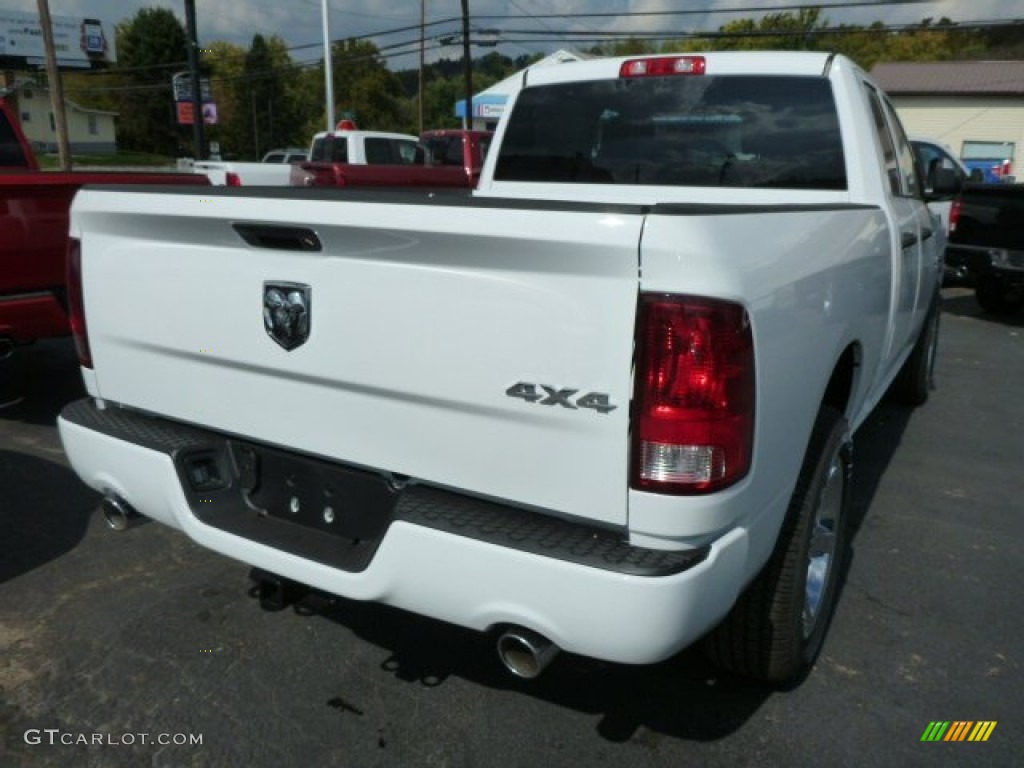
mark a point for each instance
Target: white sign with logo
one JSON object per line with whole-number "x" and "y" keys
{"x": 490, "y": 110}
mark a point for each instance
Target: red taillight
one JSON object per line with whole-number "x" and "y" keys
{"x": 232, "y": 179}
{"x": 76, "y": 304}
{"x": 954, "y": 214}
{"x": 693, "y": 418}
{"x": 660, "y": 66}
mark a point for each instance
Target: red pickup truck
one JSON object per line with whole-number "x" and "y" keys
{"x": 444, "y": 158}
{"x": 34, "y": 207}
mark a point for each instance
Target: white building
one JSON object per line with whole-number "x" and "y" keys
{"x": 975, "y": 107}
{"x": 90, "y": 131}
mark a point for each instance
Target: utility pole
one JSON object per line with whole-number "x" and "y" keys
{"x": 56, "y": 87}
{"x": 197, "y": 88}
{"x": 328, "y": 67}
{"x": 423, "y": 24}
{"x": 468, "y": 65}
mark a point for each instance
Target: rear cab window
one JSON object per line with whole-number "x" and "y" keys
{"x": 388, "y": 151}
{"x": 715, "y": 131}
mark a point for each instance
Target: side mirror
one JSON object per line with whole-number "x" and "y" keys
{"x": 946, "y": 184}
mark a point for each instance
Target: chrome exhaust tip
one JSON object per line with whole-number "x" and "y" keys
{"x": 118, "y": 514}
{"x": 525, "y": 653}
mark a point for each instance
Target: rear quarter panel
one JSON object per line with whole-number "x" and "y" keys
{"x": 814, "y": 282}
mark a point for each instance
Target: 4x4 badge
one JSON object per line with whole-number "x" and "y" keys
{"x": 286, "y": 313}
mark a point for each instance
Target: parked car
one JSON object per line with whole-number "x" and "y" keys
{"x": 363, "y": 147}
{"x": 442, "y": 158}
{"x": 34, "y": 207}
{"x": 986, "y": 243}
{"x": 288, "y": 155}
{"x": 934, "y": 156}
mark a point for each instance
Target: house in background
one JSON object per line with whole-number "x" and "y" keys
{"x": 90, "y": 131}
{"x": 974, "y": 107}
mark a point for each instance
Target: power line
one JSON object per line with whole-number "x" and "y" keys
{"x": 534, "y": 37}
{"x": 786, "y": 32}
{"x": 761, "y": 9}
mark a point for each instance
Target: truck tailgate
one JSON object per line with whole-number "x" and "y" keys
{"x": 481, "y": 348}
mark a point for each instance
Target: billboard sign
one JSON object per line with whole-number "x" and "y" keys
{"x": 80, "y": 43}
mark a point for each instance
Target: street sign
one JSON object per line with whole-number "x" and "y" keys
{"x": 184, "y": 110}
{"x": 181, "y": 82}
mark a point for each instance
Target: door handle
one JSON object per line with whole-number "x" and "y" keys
{"x": 926, "y": 233}
{"x": 908, "y": 239}
{"x": 282, "y": 238}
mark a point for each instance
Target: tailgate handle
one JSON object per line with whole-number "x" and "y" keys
{"x": 279, "y": 238}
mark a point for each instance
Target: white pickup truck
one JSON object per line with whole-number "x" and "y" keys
{"x": 604, "y": 403}
{"x": 357, "y": 147}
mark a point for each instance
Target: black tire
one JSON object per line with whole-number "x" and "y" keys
{"x": 995, "y": 297}
{"x": 776, "y": 629}
{"x": 917, "y": 376}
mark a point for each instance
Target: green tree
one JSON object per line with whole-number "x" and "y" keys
{"x": 151, "y": 47}
{"x": 226, "y": 64}
{"x": 633, "y": 46}
{"x": 264, "y": 93}
{"x": 365, "y": 87}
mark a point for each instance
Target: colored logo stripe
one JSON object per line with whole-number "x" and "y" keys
{"x": 935, "y": 730}
{"x": 982, "y": 731}
{"x": 958, "y": 730}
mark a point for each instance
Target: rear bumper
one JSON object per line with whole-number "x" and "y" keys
{"x": 440, "y": 554}
{"x": 981, "y": 260}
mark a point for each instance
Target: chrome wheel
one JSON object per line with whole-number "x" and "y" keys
{"x": 821, "y": 555}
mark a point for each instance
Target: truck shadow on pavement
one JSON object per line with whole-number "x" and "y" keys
{"x": 961, "y": 302}
{"x": 38, "y": 380}
{"x": 685, "y": 697}
{"x": 44, "y": 512}
{"x": 44, "y": 507}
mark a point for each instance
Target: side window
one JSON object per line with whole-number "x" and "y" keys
{"x": 933, "y": 158}
{"x": 454, "y": 155}
{"x": 318, "y": 153}
{"x": 910, "y": 177}
{"x": 338, "y": 151}
{"x": 890, "y": 163}
{"x": 406, "y": 151}
{"x": 380, "y": 151}
{"x": 436, "y": 149}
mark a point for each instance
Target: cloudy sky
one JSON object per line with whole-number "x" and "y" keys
{"x": 520, "y": 24}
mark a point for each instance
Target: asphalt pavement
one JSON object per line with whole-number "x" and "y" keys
{"x": 140, "y": 648}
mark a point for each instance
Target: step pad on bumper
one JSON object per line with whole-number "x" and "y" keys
{"x": 338, "y": 515}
